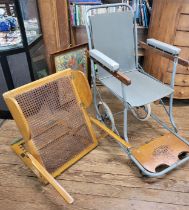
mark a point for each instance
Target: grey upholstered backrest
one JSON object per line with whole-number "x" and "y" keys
{"x": 113, "y": 35}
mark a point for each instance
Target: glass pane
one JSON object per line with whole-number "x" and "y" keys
{"x": 19, "y": 69}
{"x": 31, "y": 19}
{"x": 3, "y": 88}
{"x": 10, "y": 36}
{"x": 39, "y": 63}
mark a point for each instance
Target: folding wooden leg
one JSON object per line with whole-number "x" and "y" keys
{"x": 38, "y": 169}
{"x": 50, "y": 179}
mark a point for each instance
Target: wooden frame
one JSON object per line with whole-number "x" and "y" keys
{"x": 19, "y": 148}
{"x": 83, "y": 95}
{"x": 31, "y": 156}
{"x": 72, "y": 53}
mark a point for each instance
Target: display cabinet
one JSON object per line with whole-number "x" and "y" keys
{"x": 22, "y": 56}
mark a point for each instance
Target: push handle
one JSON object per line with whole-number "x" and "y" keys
{"x": 50, "y": 179}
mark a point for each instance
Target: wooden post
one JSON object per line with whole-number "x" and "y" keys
{"x": 55, "y": 26}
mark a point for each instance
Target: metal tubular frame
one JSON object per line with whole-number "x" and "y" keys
{"x": 88, "y": 28}
{"x": 127, "y": 106}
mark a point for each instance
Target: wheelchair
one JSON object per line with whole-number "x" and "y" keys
{"x": 113, "y": 49}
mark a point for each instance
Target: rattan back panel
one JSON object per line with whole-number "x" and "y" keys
{"x": 58, "y": 127}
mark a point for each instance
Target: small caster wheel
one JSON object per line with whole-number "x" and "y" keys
{"x": 106, "y": 115}
{"x": 142, "y": 113}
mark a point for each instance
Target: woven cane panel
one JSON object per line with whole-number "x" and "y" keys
{"x": 58, "y": 128}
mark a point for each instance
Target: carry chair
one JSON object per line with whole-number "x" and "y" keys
{"x": 113, "y": 49}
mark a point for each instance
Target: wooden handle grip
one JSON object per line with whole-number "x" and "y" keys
{"x": 122, "y": 77}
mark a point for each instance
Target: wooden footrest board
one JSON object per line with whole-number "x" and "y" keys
{"x": 161, "y": 152}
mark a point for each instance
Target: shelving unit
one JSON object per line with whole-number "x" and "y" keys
{"x": 78, "y": 32}
{"x": 55, "y": 26}
{"x": 79, "y": 35}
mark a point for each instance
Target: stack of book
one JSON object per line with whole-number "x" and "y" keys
{"x": 143, "y": 11}
{"x": 85, "y": 1}
{"x": 78, "y": 9}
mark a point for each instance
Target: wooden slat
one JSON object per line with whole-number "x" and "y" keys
{"x": 181, "y": 69}
{"x": 131, "y": 193}
{"x": 185, "y": 8}
{"x": 181, "y": 92}
{"x": 174, "y": 180}
{"x": 184, "y": 52}
{"x": 86, "y": 202}
{"x": 182, "y": 39}
{"x": 183, "y": 24}
{"x": 180, "y": 80}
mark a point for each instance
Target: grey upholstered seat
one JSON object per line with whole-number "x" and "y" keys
{"x": 143, "y": 89}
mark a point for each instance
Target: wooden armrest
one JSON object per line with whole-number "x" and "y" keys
{"x": 119, "y": 75}
{"x": 122, "y": 77}
{"x": 181, "y": 61}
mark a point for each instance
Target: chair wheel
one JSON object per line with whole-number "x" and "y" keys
{"x": 142, "y": 113}
{"x": 106, "y": 115}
